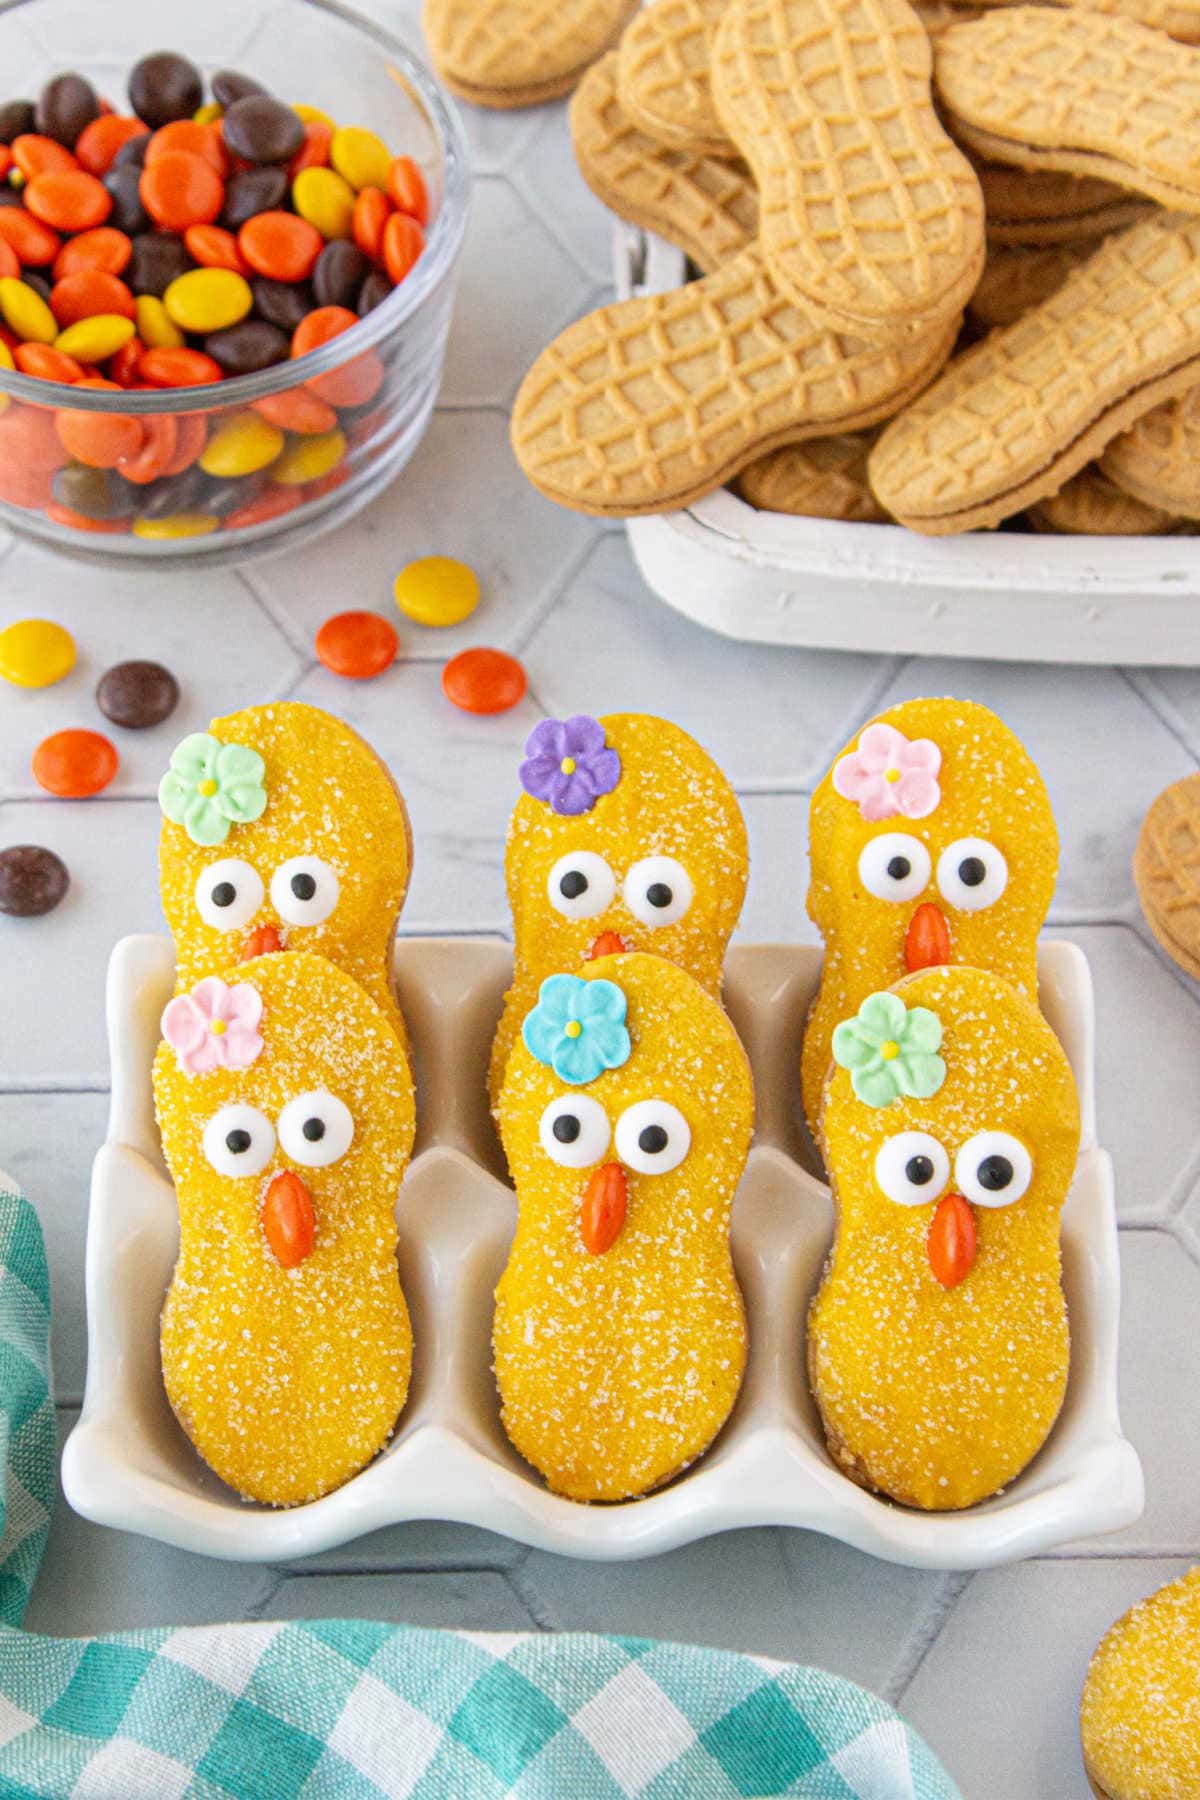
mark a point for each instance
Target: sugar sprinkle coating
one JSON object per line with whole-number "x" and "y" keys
{"x": 1140, "y": 1717}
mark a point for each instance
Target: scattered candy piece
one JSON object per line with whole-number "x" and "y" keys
{"x": 32, "y": 881}
{"x": 74, "y": 764}
{"x": 357, "y": 645}
{"x": 484, "y": 681}
{"x": 137, "y": 694}
{"x": 437, "y": 590}
{"x": 34, "y": 653}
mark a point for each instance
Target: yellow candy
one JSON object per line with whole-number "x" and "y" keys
{"x": 312, "y": 115}
{"x": 179, "y": 525}
{"x": 208, "y": 299}
{"x": 309, "y": 459}
{"x": 6, "y": 362}
{"x": 437, "y": 590}
{"x": 26, "y": 313}
{"x": 93, "y": 340}
{"x": 360, "y": 156}
{"x": 326, "y": 200}
{"x": 155, "y": 327}
{"x": 209, "y": 114}
{"x": 34, "y": 653}
{"x": 241, "y": 445}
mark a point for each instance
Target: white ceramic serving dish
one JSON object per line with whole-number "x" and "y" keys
{"x": 818, "y": 582}
{"x": 128, "y": 1464}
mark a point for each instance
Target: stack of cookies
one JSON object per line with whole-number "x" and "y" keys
{"x": 948, "y": 267}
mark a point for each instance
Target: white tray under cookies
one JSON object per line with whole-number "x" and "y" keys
{"x": 128, "y": 1464}
{"x": 825, "y": 584}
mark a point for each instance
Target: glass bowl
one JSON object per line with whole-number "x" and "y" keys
{"x": 380, "y": 377}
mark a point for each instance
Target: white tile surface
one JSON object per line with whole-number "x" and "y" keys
{"x": 967, "y": 1661}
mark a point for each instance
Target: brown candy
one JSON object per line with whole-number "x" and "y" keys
{"x": 17, "y": 118}
{"x": 261, "y": 129}
{"x": 96, "y": 493}
{"x": 229, "y": 86}
{"x": 123, "y": 182}
{"x": 375, "y": 289}
{"x": 158, "y": 257}
{"x": 32, "y": 881}
{"x": 253, "y": 191}
{"x": 65, "y": 105}
{"x": 340, "y": 272}
{"x": 137, "y": 694}
{"x": 282, "y": 303}
{"x": 164, "y": 87}
{"x": 245, "y": 348}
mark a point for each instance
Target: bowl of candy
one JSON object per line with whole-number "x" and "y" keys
{"x": 226, "y": 272}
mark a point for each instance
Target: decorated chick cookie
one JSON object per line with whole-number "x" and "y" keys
{"x": 627, "y": 837}
{"x": 1140, "y": 1717}
{"x": 620, "y": 1338}
{"x": 932, "y": 841}
{"x": 937, "y": 1343}
{"x": 285, "y": 1103}
{"x": 282, "y": 830}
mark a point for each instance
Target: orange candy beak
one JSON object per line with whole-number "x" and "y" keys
{"x": 264, "y": 940}
{"x": 927, "y": 940}
{"x": 609, "y": 943}
{"x": 950, "y": 1245}
{"x": 289, "y": 1220}
{"x": 605, "y": 1199}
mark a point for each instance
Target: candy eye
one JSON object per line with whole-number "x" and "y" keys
{"x": 239, "y": 1140}
{"x": 304, "y": 890}
{"x": 895, "y": 866}
{"x": 658, "y": 891}
{"x": 653, "y": 1137}
{"x": 581, "y": 884}
{"x": 971, "y": 874}
{"x": 912, "y": 1168}
{"x": 316, "y": 1129}
{"x": 228, "y": 893}
{"x": 992, "y": 1169}
{"x": 575, "y": 1131}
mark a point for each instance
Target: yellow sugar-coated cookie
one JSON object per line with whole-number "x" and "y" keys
{"x": 286, "y": 1108}
{"x": 932, "y": 841}
{"x": 627, "y": 837}
{"x": 283, "y": 830}
{"x": 1140, "y": 1718}
{"x": 620, "y": 1337}
{"x": 938, "y": 1343}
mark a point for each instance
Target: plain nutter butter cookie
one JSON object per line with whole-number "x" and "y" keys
{"x": 1166, "y": 871}
{"x": 651, "y": 402}
{"x": 663, "y": 75}
{"x": 1015, "y": 416}
{"x": 283, "y": 830}
{"x": 1178, "y": 18}
{"x": 627, "y": 836}
{"x": 510, "y": 53}
{"x": 1076, "y": 91}
{"x": 1140, "y": 1715}
{"x": 285, "y": 1104}
{"x": 868, "y": 211}
{"x": 823, "y": 479}
{"x": 1090, "y": 505}
{"x": 707, "y": 206}
{"x": 620, "y": 1337}
{"x": 1157, "y": 460}
{"x": 938, "y": 1342}
{"x": 931, "y": 841}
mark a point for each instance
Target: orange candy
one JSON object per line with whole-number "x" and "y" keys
{"x": 99, "y": 439}
{"x": 403, "y": 242}
{"x": 49, "y": 364}
{"x": 65, "y": 515}
{"x": 103, "y": 248}
{"x": 272, "y": 503}
{"x": 180, "y": 189}
{"x": 483, "y": 681}
{"x": 357, "y": 645}
{"x": 35, "y": 155}
{"x": 372, "y": 210}
{"x": 191, "y": 437}
{"x": 192, "y": 137}
{"x": 288, "y": 1220}
{"x": 97, "y": 145}
{"x": 354, "y": 384}
{"x": 280, "y": 246}
{"x": 299, "y": 410}
{"x": 171, "y": 367}
{"x": 29, "y": 439}
{"x": 123, "y": 364}
{"x": 90, "y": 291}
{"x": 9, "y": 261}
{"x": 68, "y": 200}
{"x": 154, "y": 455}
{"x": 33, "y": 242}
{"x": 407, "y": 191}
{"x": 74, "y": 764}
{"x": 6, "y": 161}
{"x": 214, "y": 248}
{"x": 314, "y": 152}
{"x": 950, "y": 1243}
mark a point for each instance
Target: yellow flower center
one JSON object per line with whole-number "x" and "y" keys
{"x": 567, "y": 765}
{"x": 892, "y": 775}
{"x": 208, "y": 788}
{"x": 573, "y": 1028}
{"x": 218, "y": 1027}
{"x": 889, "y": 1050}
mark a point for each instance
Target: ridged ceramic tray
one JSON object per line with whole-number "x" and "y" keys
{"x": 823, "y": 583}
{"x": 128, "y": 1464}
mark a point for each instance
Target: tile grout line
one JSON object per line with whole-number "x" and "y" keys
{"x": 1141, "y": 682}
{"x": 924, "y": 1635}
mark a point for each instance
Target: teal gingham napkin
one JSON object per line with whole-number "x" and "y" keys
{"x": 352, "y": 1709}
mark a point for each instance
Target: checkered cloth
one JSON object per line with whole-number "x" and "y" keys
{"x": 351, "y": 1709}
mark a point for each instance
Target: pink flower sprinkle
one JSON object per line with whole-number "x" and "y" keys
{"x": 890, "y": 774}
{"x": 215, "y": 1026}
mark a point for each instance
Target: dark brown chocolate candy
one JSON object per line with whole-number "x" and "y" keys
{"x": 226, "y": 496}
{"x": 261, "y": 129}
{"x": 340, "y": 272}
{"x": 164, "y": 87}
{"x": 17, "y": 117}
{"x": 242, "y": 349}
{"x": 158, "y": 257}
{"x": 375, "y": 288}
{"x": 38, "y": 283}
{"x": 229, "y": 86}
{"x": 65, "y": 105}
{"x": 176, "y": 494}
{"x": 128, "y": 214}
{"x": 137, "y": 694}
{"x": 253, "y": 191}
{"x": 282, "y": 303}
{"x": 32, "y": 881}
{"x": 96, "y": 493}
{"x": 10, "y": 197}
{"x": 132, "y": 153}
